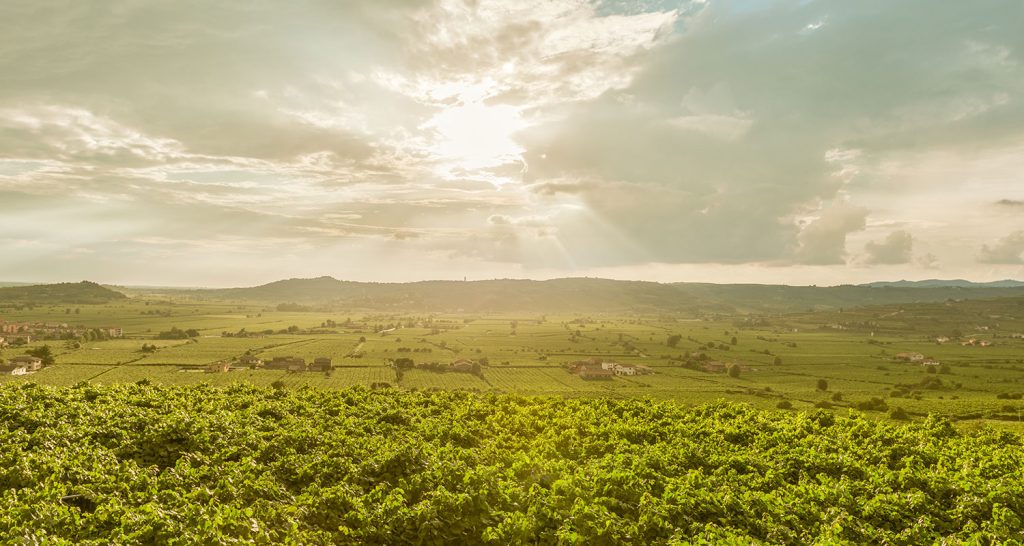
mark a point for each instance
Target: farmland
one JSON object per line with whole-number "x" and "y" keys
{"x": 140, "y": 464}
{"x": 783, "y": 360}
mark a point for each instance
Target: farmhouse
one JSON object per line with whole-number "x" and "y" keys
{"x": 715, "y": 366}
{"x": 32, "y": 363}
{"x": 909, "y": 357}
{"x": 222, "y": 366}
{"x": 462, "y": 365}
{"x": 321, "y": 364}
{"x": 250, "y": 360}
{"x": 595, "y": 372}
{"x": 625, "y": 369}
{"x": 592, "y": 368}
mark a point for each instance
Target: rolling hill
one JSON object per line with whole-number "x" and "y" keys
{"x": 84, "y": 292}
{"x": 589, "y": 295}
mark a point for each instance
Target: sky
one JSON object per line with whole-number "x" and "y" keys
{"x": 231, "y": 143}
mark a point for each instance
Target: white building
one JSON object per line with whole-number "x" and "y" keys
{"x": 624, "y": 370}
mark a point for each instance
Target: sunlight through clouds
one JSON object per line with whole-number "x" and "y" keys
{"x": 542, "y": 137}
{"x": 477, "y": 136}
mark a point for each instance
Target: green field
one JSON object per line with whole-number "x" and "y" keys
{"x": 139, "y": 464}
{"x": 782, "y": 358}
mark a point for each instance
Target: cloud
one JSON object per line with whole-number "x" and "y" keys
{"x": 823, "y": 240}
{"x": 896, "y": 248}
{"x": 927, "y": 261}
{"x": 1008, "y": 250}
{"x": 559, "y": 134}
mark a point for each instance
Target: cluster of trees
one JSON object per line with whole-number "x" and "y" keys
{"x": 414, "y": 350}
{"x": 177, "y": 333}
{"x": 245, "y": 333}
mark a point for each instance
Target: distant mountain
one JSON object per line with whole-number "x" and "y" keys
{"x": 576, "y": 295}
{"x": 939, "y": 283}
{"x": 84, "y": 292}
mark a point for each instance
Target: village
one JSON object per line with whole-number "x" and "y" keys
{"x": 325, "y": 364}
{"x": 287, "y": 363}
{"x": 23, "y": 333}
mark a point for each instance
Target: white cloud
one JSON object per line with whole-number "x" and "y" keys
{"x": 1008, "y": 250}
{"x": 896, "y": 248}
{"x": 823, "y": 239}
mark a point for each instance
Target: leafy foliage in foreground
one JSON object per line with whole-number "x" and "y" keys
{"x": 144, "y": 464}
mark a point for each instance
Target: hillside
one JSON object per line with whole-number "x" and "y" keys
{"x": 933, "y": 283}
{"x": 84, "y": 292}
{"x": 588, "y": 295}
{"x": 967, "y": 317}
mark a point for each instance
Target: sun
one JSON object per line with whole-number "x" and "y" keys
{"x": 476, "y": 136}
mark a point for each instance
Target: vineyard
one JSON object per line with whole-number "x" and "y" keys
{"x": 136, "y": 463}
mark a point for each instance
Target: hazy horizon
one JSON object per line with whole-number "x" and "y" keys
{"x": 777, "y": 142}
{"x": 10, "y": 282}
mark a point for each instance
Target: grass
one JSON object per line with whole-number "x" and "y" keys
{"x": 852, "y": 351}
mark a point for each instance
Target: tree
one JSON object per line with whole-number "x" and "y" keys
{"x": 43, "y": 353}
{"x": 898, "y": 413}
{"x": 822, "y": 385}
{"x": 733, "y": 340}
{"x": 777, "y": 361}
{"x": 734, "y": 370}
{"x": 673, "y": 340}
